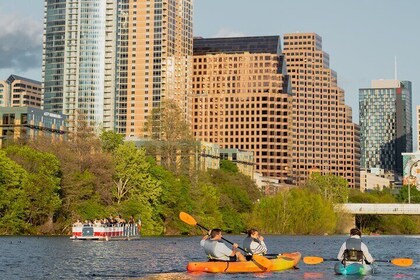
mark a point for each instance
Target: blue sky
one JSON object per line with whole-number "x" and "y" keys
{"x": 362, "y": 37}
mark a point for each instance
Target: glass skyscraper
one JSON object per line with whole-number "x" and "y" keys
{"x": 78, "y": 56}
{"x": 385, "y": 124}
{"x": 110, "y": 62}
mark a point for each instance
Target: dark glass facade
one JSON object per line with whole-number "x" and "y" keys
{"x": 385, "y": 125}
{"x": 259, "y": 44}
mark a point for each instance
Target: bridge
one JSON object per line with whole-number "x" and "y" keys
{"x": 378, "y": 208}
{"x": 352, "y": 209}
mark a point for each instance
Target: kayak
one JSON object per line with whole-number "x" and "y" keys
{"x": 353, "y": 269}
{"x": 282, "y": 262}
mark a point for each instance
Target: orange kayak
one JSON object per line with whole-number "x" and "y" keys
{"x": 282, "y": 262}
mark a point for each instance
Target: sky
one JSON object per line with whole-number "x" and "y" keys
{"x": 364, "y": 38}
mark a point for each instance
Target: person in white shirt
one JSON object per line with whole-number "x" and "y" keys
{"x": 254, "y": 243}
{"x": 216, "y": 250}
{"x": 354, "y": 250}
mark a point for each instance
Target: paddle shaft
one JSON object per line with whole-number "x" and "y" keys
{"x": 385, "y": 261}
{"x": 222, "y": 237}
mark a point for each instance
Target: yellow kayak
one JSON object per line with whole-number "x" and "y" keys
{"x": 282, "y": 262}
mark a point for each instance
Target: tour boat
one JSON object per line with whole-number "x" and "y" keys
{"x": 282, "y": 262}
{"x": 105, "y": 232}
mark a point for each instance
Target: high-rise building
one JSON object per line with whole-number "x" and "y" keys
{"x": 324, "y": 137}
{"x": 18, "y": 91}
{"x": 79, "y": 60}
{"x": 155, "y": 60}
{"x": 111, "y": 62}
{"x": 241, "y": 100}
{"x": 385, "y": 124}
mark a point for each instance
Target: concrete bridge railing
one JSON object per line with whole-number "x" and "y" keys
{"x": 379, "y": 208}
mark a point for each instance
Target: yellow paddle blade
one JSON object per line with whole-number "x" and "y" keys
{"x": 312, "y": 260}
{"x": 188, "y": 219}
{"x": 263, "y": 261}
{"x": 402, "y": 262}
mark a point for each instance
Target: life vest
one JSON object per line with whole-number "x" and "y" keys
{"x": 353, "y": 252}
{"x": 247, "y": 243}
{"x": 210, "y": 249}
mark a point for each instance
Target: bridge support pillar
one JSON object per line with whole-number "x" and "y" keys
{"x": 345, "y": 222}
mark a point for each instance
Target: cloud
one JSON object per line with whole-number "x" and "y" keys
{"x": 20, "y": 42}
{"x": 226, "y": 32}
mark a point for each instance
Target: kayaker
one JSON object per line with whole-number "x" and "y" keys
{"x": 354, "y": 250}
{"x": 216, "y": 250}
{"x": 254, "y": 243}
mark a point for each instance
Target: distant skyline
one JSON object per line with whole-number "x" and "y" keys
{"x": 362, "y": 37}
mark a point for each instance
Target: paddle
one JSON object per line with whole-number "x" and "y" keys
{"x": 261, "y": 260}
{"x": 396, "y": 261}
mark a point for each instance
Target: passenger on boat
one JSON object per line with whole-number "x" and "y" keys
{"x": 254, "y": 243}
{"x": 78, "y": 223}
{"x": 216, "y": 250}
{"x": 354, "y": 250}
{"x": 120, "y": 220}
{"x": 131, "y": 220}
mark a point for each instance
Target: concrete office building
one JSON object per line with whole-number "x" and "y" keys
{"x": 385, "y": 124}
{"x": 24, "y": 123}
{"x": 375, "y": 179}
{"x": 241, "y": 100}
{"x": 18, "y": 91}
{"x": 324, "y": 137}
{"x": 111, "y": 62}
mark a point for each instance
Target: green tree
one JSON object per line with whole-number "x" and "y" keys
{"x": 14, "y": 201}
{"x": 402, "y": 195}
{"x": 110, "y": 140}
{"x": 298, "y": 211}
{"x": 136, "y": 192}
{"x": 132, "y": 172}
{"x": 43, "y": 184}
{"x": 333, "y": 188}
{"x": 175, "y": 198}
{"x": 228, "y": 166}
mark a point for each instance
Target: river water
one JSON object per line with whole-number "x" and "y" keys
{"x": 167, "y": 257}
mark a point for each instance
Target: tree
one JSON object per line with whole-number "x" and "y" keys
{"x": 333, "y": 188}
{"x": 228, "y": 166}
{"x": 86, "y": 173}
{"x": 175, "y": 197}
{"x": 110, "y": 140}
{"x": 43, "y": 184}
{"x": 171, "y": 141}
{"x": 132, "y": 172}
{"x": 402, "y": 195}
{"x": 14, "y": 201}
{"x": 298, "y": 211}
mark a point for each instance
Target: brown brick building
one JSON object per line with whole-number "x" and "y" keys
{"x": 324, "y": 137}
{"x": 154, "y": 60}
{"x": 241, "y": 99}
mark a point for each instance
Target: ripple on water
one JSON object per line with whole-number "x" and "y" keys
{"x": 167, "y": 257}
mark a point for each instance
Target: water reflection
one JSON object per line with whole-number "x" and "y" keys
{"x": 313, "y": 275}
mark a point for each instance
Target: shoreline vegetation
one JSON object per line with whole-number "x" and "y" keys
{"x": 47, "y": 186}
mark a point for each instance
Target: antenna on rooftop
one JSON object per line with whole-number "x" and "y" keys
{"x": 395, "y": 68}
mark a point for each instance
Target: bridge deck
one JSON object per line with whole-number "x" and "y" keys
{"x": 379, "y": 208}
